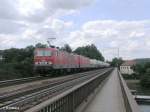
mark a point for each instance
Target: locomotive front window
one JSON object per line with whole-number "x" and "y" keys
{"x": 47, "y": 53}
{"x": 43, "y": 53}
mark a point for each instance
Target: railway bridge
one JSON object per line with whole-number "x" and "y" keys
{"x": 104, "y": 91}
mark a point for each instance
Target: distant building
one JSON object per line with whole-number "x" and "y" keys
{"x": 126, "y": 67}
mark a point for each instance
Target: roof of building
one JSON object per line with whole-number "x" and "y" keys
{"x": 129, "y": 63}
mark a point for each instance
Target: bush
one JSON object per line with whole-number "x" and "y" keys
{"x": 145, "y": 81}
{"x": 132, "y": 76}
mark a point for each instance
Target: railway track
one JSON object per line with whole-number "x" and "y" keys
{"x": 19, "y": 81}
{"x": 9, "y": 95}
{"x": 47, "y": 91}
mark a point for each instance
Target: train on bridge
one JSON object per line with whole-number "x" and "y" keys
{"x": 53, "y": 59}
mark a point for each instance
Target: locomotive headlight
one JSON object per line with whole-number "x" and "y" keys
{"x": 36, "y": 63}
{"x": 50, "y": 63}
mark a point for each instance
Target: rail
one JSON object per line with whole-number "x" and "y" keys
{"x": 18, "y": 81}
{"x": 129, "y": 101}
{"x": 69, "y": 100}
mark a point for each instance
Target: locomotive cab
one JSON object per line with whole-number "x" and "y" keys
{"x": 43, "y": 58}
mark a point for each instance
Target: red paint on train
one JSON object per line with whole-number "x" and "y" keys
{"x": 53, "y": 58}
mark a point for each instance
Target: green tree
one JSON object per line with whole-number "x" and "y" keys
{"x": 116, "y": 62}
{"x": 17, "y": 63}
{"x": 90, "y": 51}
{"x": 39, "y": 45}
{"x": 143, "y": 70}
{"x": 139, "y": 69}
{"x": 67, "y": 48}
{"x": 145, "y": 79}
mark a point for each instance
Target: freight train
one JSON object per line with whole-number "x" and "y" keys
{"x": 53, "y": 59}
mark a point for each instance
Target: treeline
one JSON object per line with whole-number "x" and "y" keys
{"x": 90, "y": 51}
{"x": 18, "y": 63}
{"x": 116, "y": 62}
{"x": 142, "y": 71}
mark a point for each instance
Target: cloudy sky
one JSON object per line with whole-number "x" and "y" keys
{"x": 109, "y": 24}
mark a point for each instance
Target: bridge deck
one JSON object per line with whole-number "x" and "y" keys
{"x": 109, "y": 98}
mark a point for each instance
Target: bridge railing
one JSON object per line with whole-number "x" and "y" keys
{"x": 68, "y": 101}
{"x": 129, "y": 101}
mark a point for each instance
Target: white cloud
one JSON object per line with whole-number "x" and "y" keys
{"x": 26, "y": 22}
{"x": 9, "y": 9}
{"x": 39, "y": 10}
{"x": 11, "y": 27}
{"x": 60, "y": 25}
{"x": 132, "y": 37}
{"x": 66, "y": 4}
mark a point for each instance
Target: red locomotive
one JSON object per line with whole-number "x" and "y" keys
{"x": 55, "y": 59}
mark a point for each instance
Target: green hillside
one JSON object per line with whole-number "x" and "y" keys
{"x": 142, "y": 60}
